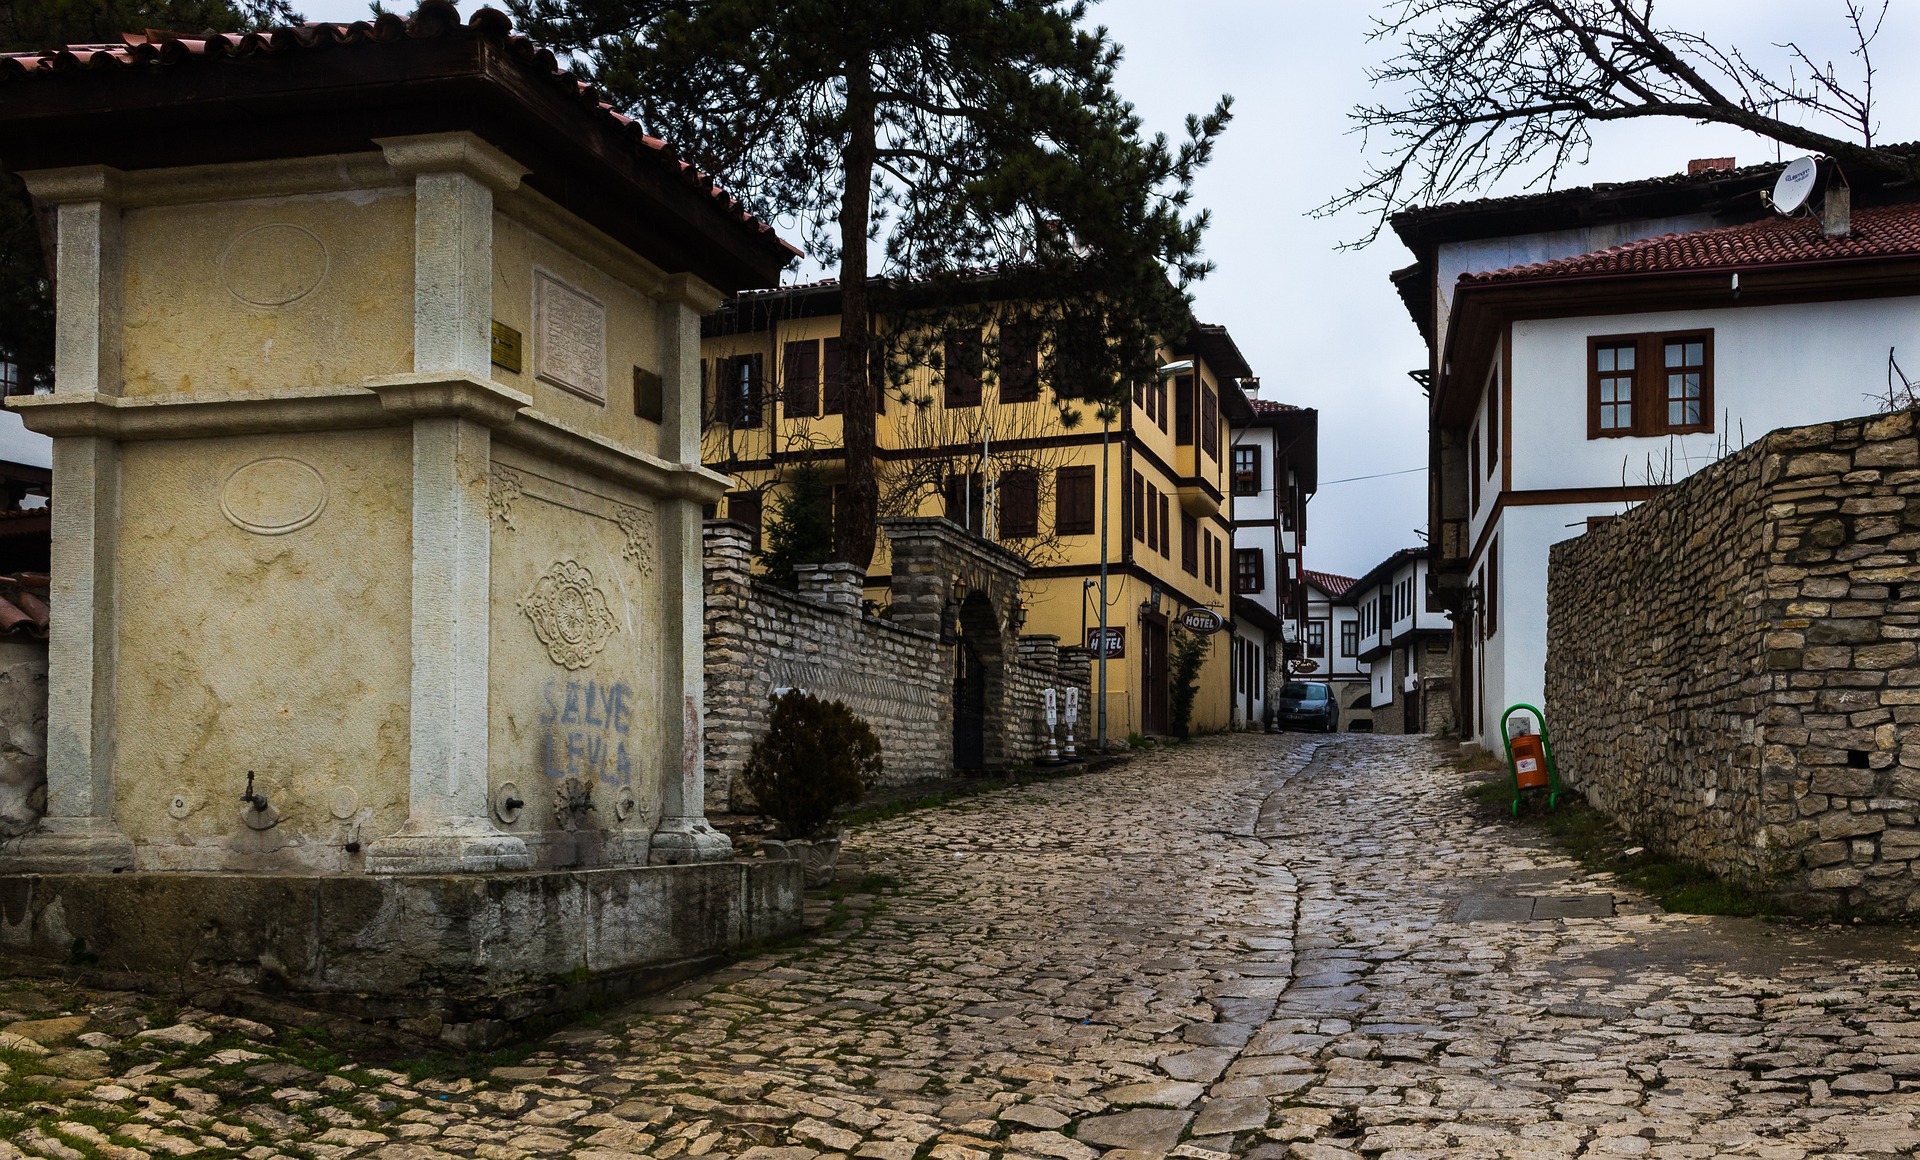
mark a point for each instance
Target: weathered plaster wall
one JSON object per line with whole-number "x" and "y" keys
{"x": 577, "y": 559}
{"x": 1733, "y": 668}
{"x": 632, "y": 329}
{"x": 264, "y": 610}
{"x": 268, "y": 293}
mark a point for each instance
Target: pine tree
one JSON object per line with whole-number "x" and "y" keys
{"x": 957, "y": 136}
{"x": 801, "y": 530}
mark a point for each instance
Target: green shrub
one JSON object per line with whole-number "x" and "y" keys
{"x": 801, "y": 528}
{"x": 1189, "y": 653}
{"x": 816, "y": 757}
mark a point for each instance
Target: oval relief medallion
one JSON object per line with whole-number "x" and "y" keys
{"x": 273, "y": 496}
{"x": 273, "y": 265}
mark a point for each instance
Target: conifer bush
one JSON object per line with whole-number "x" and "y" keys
{"x": 817, "y": 756}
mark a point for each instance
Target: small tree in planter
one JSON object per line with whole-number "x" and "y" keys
{"x": 1189, "y": 653}
{"x": 817, "y": 756}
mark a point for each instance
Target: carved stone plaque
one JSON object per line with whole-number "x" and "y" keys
{"x": 570, "y": 338}
{"x": 569, "y": 614}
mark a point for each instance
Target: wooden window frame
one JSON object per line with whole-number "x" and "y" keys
{"x": 1019, "y": 504}
{"x": 1492, "y": 456}
{"x": 1473, "y": 470}
{"x": 1209, "y": 423}
{"x": 1019, "y": 363}
{"x": 1075, "y": 501}
{"x": 1189, "y": 544}
{"x": 1490, "y": 589}
{"x": 754, "y": 502}
{"x": 962, "y": 367}
{"x": 1349, "y": 638}
{"x": 800, "y": 370}
{"x": 1249, "y": 579}
{"x": 1650, "y": 384}
{"x": 1246, "y": 482}
{"x": 1316, "y": 649}
{"x": 833, "y": 376}
{"x": 1162, "y": 501}
{"x": 1183, "y": 409}
{"x": 1139, "y": 507}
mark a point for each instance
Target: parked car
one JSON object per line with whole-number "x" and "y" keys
{"x": 1307, "y": 705}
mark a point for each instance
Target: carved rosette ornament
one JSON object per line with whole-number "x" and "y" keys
{"x": 569, "y": 614}
{"x": 503, "y": 487}
{"x": 637, "y": 523}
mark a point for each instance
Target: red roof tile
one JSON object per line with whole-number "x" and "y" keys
{"x": 23, "y": 605}
{"x": 1328, "y": 582}
{"x": 1272, "y": 407}
{"x": 1878, "y": 232}
{"x": 433, "y": 18}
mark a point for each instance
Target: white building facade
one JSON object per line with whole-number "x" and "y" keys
{"x": 1406, "y": 645}
{"x": 1567, "y": 390}
{"x": 1273, "y": 466}
{"x": 1333, "y": 621}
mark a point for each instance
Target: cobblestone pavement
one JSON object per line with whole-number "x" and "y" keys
{"x": 1250, "y": 946}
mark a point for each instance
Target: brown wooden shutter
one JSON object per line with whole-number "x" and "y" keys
{"x": 1073, "y": 501}
{"x": 1183, "y": 410}
{"x": 1209, "y": 422}
{"x": 1139, "y": 507}
{"x": 1019, "y": 363}
{"x": 1189, "y": 544}
{"x": 963, "y": 368}
{"x": 800, "y": 393}
{"x": 833, "y": 373}
{"x": 1019, "y": 505}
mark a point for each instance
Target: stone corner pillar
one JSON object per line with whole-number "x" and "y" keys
{"x": 692, "y": 553}
{"x": 453, "y": 406}
{"x": 78, "y": 832}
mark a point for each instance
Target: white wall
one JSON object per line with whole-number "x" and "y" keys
{"x": 19, "y": 445}
{"x": 1774, "y": 366}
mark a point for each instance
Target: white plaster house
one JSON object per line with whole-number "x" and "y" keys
{"x": 1333, "y": 616}
{"x": 1274, "y": 470}
{"x": 1406, "y": 645}
{"x": 1592, "y": 346}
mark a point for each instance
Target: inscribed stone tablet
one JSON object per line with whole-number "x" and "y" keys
{"x": 570, "y": 338}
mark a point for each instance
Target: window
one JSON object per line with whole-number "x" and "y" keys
{"x": 1019, "y": 363}
{"x": 1209, "y": 422}
{"x": 1317, "y": 638}
{"x": 1214, "y": 547}
{"x": 1159, "y": 392}
{"x": 10, "y": 377}
{"x": 1166, "y": 533}
{"x": 737, "y": 390}
{"x": 1349, "y": 638}
{"x": 1073, "y": 513}
{"x": 965, "y": 500}
{"x": 1491, "y": 590}
{"x": 1249, "y": 570}
{"x": 1019, "y": 504}
{"x": 1493, "y": 422}
{"x": 1650, "y": 384}
{"x": 1473, "y": 471}
{"x": 1246, "y": 470}
{"x": 1189, "y": 544}
{"x": 800, "y": 393}
{"x": 744, "y": 507}
{"x": 1183, "y": 410}
{"x": 833, "y": 375}
{"x": 1139, "y": 507}
{"x": 962, "y": 374}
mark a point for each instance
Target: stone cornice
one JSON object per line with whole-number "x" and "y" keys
{"x": 460, "y": 152}
{"x": 389, "y": 402}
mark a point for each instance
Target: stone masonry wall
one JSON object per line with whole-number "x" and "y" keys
{"x": 1732, "y": 671}
{"x": 897, "y": 676}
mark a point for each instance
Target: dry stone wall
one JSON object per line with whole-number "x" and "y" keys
{"x": 1732, "y": 670}
{"x": 895, "y": 671}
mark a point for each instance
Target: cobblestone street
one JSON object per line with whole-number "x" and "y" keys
{"x": 1262, "y": 946}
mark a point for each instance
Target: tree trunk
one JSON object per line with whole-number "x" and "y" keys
{"x": 854, "y": 535}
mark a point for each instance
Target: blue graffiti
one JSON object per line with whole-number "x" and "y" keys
{"x": 586, "y": 729}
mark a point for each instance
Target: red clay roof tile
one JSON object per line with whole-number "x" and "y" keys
{"x": 1329, "y": 582}
{"x": 1877, "y": 232}
{"x": 433, "y": 18}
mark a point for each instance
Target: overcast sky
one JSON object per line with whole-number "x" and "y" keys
{"x": 1322, "y": 327}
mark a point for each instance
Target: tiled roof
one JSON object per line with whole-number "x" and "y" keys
{"x": 1270, "y": 407}
{"x": 1328, "y": 582}
{"x": 1877, "y": 232}
{"x": 434, "y": 18}
{"x": 23, "y": 605}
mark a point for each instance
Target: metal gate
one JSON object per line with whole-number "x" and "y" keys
{"x": 969, "y": 708}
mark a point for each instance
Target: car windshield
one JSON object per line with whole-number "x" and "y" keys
{"x": 1303, "y": 691}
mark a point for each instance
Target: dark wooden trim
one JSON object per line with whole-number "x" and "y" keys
{"x": 1506, "y": 411}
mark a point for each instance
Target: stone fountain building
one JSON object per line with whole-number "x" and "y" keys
{"x": 376, "y": 651}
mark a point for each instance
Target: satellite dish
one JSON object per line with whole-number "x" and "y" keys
{"x": 1795, "y": 184}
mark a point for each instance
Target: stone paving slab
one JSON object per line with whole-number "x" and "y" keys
{"x": 1249, "y": 946}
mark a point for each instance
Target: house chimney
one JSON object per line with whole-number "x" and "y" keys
{"x": 1701, "y": 165}
{"x": 1836, "y": 216}
{"x": 1251, "y": 387}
